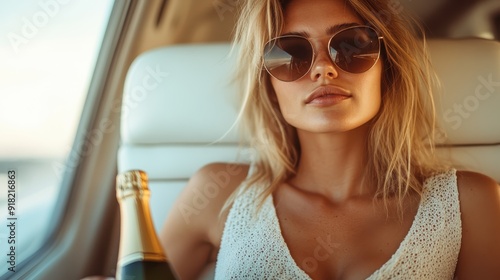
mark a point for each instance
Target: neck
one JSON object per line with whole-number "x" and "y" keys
{"x": 333, "y": 164}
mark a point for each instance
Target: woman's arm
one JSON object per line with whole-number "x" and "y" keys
{"x": 480, "y": 206}
{"x": 193, "y": 228}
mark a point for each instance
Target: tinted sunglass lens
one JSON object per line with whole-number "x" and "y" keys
{"x": 288, "y": 58}
{"x": 355, "y": 50}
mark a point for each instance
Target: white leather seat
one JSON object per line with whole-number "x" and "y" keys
{"x": 178, "y": 114}
{"x": 178, "y": 101}
{"x": 468, "y": 106}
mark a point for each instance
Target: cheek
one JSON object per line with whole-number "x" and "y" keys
{"x": 372, "y": 88}
{"x": 276, "y": 86}
{"x": 281, "y": 90}
{"x": 287, "y": 98}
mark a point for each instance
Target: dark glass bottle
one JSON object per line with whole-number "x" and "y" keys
{"x": 141, "y": 255}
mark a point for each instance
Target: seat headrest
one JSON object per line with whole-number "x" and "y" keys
{"x": 181, "y": 94}
{"x": 468, "y": 106}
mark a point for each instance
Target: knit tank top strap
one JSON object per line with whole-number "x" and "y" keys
{"x": 252, "y": 247}
{"x": 430, "y": 249}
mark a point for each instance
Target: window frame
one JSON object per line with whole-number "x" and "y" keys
{"x": 68, "y": 196}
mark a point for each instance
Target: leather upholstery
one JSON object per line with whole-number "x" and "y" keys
{"x": 468, "y": 104}
{"x": 178, "y": 113}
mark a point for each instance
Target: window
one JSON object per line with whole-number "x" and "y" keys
{"x": 48, "y": 51}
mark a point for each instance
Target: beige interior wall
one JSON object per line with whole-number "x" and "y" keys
{"x": 186, "y": 21}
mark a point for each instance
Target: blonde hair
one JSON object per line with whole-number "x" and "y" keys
{"x": 401, "y": 139}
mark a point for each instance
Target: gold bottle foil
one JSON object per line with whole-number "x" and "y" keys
{"x": 138, "y": 239}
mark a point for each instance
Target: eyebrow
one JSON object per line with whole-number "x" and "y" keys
{"x": 329, "y": 31}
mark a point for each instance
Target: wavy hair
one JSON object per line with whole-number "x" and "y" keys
{"x": 401, "y": 138}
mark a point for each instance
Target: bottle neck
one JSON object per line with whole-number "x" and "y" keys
{"x": 138, "y": 239}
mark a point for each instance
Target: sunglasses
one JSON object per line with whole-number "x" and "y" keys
{"x": 354, "y": 50}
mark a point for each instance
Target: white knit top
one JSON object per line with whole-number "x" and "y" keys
{"x": 255, "y": 248}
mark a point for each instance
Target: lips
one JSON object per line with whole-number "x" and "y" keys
{"x": 327, "y": 95}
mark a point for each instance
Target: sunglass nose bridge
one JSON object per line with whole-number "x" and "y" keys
{"x": 323, "y": 65}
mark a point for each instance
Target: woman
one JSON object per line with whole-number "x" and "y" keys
{"x": 345, "y": 184}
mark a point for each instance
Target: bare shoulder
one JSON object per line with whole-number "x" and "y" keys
{"x": 209, "y": 188}
{"x": 193, "y": 226}
{"x": 480, "y": 209}
{"x": 478, "y": 193}
{"x": 475, "y": 181}
{"x": 201, "y": 201}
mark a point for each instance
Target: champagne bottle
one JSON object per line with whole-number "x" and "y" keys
{"x": 140, "y": 255}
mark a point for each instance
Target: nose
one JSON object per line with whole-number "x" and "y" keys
{"x": 323, "y": 67}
